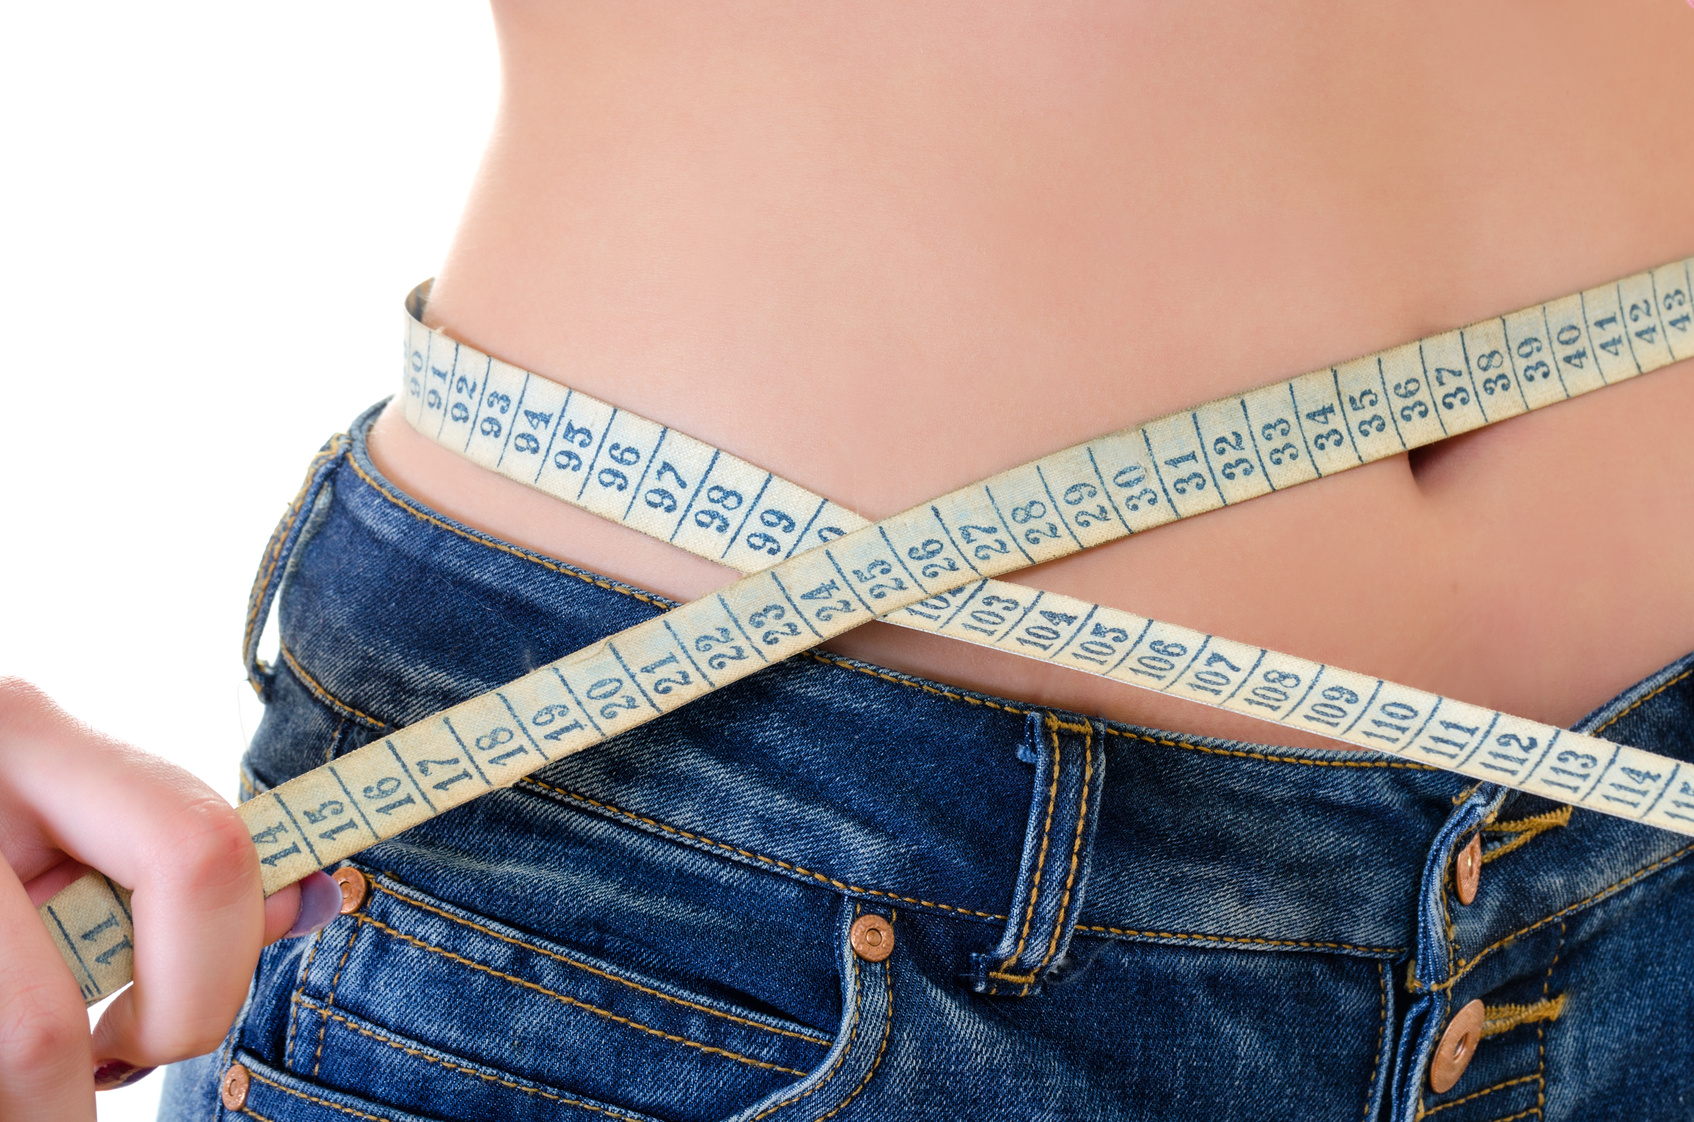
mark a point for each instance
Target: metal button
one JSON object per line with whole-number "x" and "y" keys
{"x": 233, "y": 1089}
{"x": 1458, "y": 1045}
{"x": 1467, "y": 869}
{"x": 354, "y": 887}
{"x": 872, "y": 938}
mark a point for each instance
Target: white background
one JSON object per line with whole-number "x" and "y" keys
{"x": 209, "y": 215}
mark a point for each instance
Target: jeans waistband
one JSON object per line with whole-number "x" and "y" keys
{"x": 1034, "y": 824}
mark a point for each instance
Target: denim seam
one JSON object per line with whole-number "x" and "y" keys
{"x": 316, "y": 689}
{"x": 822, "y": 878}
{"x": 318, "y": 1055}
{"x": 1266, "y": 756}
{"x": 598, "y": 973}
{"x": 1518, "y": 1115}
{"x": 1640, "y": 701}
{"x": 311, "y": 1099}
{"x": 1541, "y": 1029}
{"x": 502, "y": 547}
{"x": 1381, "y": 1037}
{"x": 294, "y": 1016}
{"x": 882, "y": 1050}
{"x": 852, "y": 1041}
{"x": 420, "y": 1054}
{"x": 911, "y": 683}
{"x": 572, "y": 1001}
{"x": 273, "y": 550}
{"x": 1467, "y": 965}
{"x": 1479, "y": 1094}
{"x": 1253, "y": 939}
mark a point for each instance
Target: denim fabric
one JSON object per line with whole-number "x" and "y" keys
{"x": 1092, "y": 921}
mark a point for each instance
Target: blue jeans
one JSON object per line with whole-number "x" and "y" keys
{"x": 1089, "y": 920}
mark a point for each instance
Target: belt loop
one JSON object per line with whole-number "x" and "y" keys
{"x": 288, "y": 534}
{"x": 1070, "y": 772}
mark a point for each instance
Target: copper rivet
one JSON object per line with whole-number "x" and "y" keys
{"x": 872, "y": 938}
{"x": 1458, "y": 1045}
{"x": 1467, "y": 870}
{"x": 354, "y": 886}
{"x": 233, "y": 1089}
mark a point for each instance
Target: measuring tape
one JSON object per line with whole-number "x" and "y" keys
{"x": 816, "y": 570}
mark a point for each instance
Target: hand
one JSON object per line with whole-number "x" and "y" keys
{"x": 71, "y": 798}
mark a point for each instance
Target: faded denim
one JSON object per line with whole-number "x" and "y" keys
{"x": 1092, "y": 921}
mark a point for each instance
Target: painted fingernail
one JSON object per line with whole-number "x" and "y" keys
{"x": 114, "y": 1074}
{"x": 320, "y": 902}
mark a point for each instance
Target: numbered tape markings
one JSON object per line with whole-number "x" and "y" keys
{"x": 932, "y": 567}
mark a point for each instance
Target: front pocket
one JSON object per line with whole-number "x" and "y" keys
{"x": 861, "y": 1043}
{"x": 276, "y": 1096}
{"x": 446, "y": 1014}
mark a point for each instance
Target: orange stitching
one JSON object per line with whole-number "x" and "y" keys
{"x": 610, "y": 977}
{"x": 1041, "y": 857}
{"x": 311, "y": 1099}
{"x": 1503, "y": 1018}
{"x": 318, "y": 1054}
{"x": 1466, "y": 966}
{"x": 1526, "y": 829}
{"x": 1541, "y": 1029}
{"x": 1029, "y": 977}
{"x": 912, "y": 683}
{"x": 294, "y": 1017}
{"x": 1536, "y": 823}
{"x": 251, "y": 1113}
{"x": 1076, "y": 846}
{"x": 273, "y": 551}
{"x": 1519, "y": 1114}
{"x": 1479, "y": 1094}
{"x": 418, "y": 1053}
{"x": 1390, "y": 951}
{"x": 312, "y": 685}
{"x": 887, "y": 1031}
{"x": 1640, "y": 701}
{"x": 852, "y": 1040}
{"x": 1381, "y": 1036}
{"x": 822, "y": 878}
{"x": 571, "y": 1001}
{"x": 1266, "y": 756}
{"x": 522, "y": 554}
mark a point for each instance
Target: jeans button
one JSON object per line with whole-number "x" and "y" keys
{"x": 1467, "y": 870}
{"x": 233, "y": 1088}
{"x": 354, "y": 887}
{"x": 872, "y": 938}
{"x": 1458, "y": 1045}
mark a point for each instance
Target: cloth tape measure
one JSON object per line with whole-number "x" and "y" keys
{"x": 816, "y": 570}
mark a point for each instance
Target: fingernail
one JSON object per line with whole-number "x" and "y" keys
{"x": 320, "y": 902}
{"x": 114, "y": 1074}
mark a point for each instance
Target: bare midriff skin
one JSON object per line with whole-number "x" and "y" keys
{"x": 888, "y": 249}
